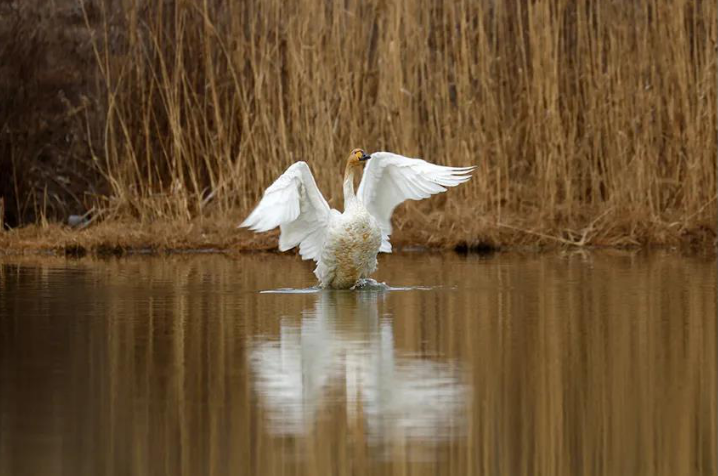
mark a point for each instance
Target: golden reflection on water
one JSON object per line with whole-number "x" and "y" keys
{"x": 592, "y": 364}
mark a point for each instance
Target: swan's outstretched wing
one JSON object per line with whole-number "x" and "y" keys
{"x": 390, "y": 179}
{"x": 294, "y": 204}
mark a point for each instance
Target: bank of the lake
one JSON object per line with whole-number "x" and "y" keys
{"x": 429, "y": 233}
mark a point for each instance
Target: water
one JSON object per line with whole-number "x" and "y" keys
{"x": 559, "y": 364}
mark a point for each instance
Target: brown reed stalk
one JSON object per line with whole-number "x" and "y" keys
{"x": 569, "y": 109}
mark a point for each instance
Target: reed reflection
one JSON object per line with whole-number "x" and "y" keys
{"x": 343, "y": 350}
{"x": 596, "y": 364}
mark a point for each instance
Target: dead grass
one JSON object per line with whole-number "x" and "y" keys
{"x": 418, "y": 231}
{"x": 120, "y": 237}
{"x": 591, "y": 123}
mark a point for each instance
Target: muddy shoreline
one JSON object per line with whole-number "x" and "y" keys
{"x": 122, "y": 239}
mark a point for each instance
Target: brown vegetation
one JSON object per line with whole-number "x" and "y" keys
{"x": 591, "y": 123}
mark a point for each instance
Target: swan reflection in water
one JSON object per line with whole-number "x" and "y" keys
{"x": 344, "y": 346}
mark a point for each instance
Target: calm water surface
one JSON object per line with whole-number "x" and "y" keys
{"x": 560, "y": 364}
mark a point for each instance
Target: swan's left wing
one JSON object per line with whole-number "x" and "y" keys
{"x": 390, "y": 179}
{"x": 295, "y": 205}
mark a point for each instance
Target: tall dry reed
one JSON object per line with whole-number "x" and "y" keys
{"x": 586, "y": 119}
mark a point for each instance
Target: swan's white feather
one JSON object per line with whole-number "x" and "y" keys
{"x": 390, "y": 179}
{"x": 295, "y": 205}
{"x": 345, "y": 245}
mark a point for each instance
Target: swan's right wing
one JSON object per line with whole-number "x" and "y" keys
{"x": 295, "y": 205}
{"x": 391, "y": 179}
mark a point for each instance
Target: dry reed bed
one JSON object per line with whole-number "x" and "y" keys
{"x": 591, "y": 123}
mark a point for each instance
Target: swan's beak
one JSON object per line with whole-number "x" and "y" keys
{"x": 364, "y": 157}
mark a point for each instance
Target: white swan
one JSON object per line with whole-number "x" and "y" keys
{"x": 345, "y": 245}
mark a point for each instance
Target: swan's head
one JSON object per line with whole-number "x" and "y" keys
{"x": 357, "y": 157}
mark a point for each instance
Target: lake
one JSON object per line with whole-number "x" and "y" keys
{"x": 570, "y": 363}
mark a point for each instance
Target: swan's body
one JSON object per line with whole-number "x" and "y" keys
{"x": 345, "y": 245}
{"x": 350, "y": 248}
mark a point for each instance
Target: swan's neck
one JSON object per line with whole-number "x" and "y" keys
{"x": 349, "y": 196}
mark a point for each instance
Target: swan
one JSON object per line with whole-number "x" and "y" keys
{"x": 345, "y": 245}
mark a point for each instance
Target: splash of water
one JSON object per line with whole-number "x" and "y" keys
{"x": 361, "y": 285}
